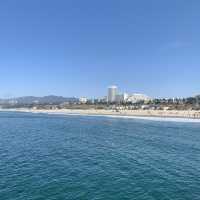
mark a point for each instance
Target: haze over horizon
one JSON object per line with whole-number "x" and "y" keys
{"x": 79, "y": 48}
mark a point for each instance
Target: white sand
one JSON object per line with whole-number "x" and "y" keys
{"x": 172, "y": 115}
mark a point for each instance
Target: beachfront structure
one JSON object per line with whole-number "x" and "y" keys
{"x": 112, "y": 94}
{"x": 134, "y": 98}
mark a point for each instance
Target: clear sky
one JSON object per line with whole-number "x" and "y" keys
{"x": 79, "y": 47}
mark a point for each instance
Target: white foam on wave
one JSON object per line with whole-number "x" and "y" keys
{"x": 166, "y": 119}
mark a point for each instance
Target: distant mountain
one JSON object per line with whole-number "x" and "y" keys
{"x": 38, "y": 100}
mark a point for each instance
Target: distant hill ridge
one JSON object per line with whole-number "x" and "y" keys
{"x": 40, "y": 100}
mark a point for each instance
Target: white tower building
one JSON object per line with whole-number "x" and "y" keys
{"x": 112, "y": 94}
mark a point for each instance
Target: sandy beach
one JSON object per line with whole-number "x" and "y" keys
{"x": 191, "y": 114}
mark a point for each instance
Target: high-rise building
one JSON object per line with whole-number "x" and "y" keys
{"x": 112, "y": 94}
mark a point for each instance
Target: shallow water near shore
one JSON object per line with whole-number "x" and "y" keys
{"x": 87, "y": 157}
{"x": 153, "y": 118}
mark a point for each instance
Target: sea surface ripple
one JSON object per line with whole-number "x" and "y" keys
{"x": 55, "y": 157}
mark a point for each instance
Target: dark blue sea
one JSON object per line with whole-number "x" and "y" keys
{"x": 57, "y": 157}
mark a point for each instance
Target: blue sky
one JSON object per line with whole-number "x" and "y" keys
{"x": 78, "y": 48}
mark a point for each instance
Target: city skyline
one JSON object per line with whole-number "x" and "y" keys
{"x": 112, "y": 94}
{"x": 78, "y": 48}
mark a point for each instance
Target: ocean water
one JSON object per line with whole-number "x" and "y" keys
{"x": 56, "y": 157}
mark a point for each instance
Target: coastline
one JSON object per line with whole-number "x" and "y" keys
{"x": 172, "y": 115}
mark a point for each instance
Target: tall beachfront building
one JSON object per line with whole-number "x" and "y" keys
{"x": 112, "y": 94}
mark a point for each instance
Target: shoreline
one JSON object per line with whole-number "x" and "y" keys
{"x": 172, "y": 115}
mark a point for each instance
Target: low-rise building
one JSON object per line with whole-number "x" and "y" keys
{"x": 82, "y": 100}
{"x": 134, "y": 98}
{"x": 121, "y": 98}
